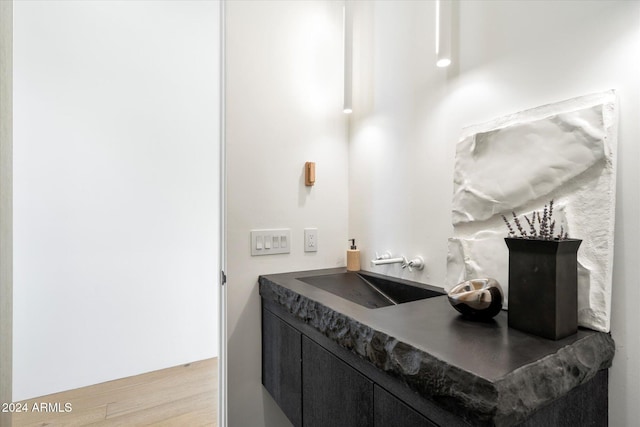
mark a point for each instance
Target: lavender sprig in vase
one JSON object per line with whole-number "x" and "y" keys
{"x": 543, "y": 276}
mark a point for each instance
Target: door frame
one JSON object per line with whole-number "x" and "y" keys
{"x": 222, "y": 296}
{"x": 6, "y": 208}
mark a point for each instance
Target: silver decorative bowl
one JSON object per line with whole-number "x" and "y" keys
{"x": 477, "y": 298}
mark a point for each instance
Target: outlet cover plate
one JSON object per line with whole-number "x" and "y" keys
{"x": 311, "y": 240}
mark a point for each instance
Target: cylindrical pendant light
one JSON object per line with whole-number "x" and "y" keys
{"x": 348, "y": 56}
{"x": 443, "y": 33}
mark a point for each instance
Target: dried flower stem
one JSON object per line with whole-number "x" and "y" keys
{"x": 523, "y": 233}
{"x": 546, "y": 225}
{"x": 512, "y": 233}
{"x": 531, "y": 223}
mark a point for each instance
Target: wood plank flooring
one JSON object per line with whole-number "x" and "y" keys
{"x": 184, "y": 395}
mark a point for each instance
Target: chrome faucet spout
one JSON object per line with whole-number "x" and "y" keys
{"x": 387, "y": 261}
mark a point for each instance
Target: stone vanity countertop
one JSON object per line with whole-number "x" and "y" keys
{"x": 485, "y": 371}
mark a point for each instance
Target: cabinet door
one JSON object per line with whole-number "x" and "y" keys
{"x": 281, "y": 365}
{"x": 392, "y": 412}
{"x": 333, "y": 393}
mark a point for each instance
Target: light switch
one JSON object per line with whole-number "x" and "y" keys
{"x": 270, "y": 242}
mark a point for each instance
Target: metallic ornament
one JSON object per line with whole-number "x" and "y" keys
{"x": 477, "y": 298}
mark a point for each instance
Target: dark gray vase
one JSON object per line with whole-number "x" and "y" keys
{"x": 543, "y": 286}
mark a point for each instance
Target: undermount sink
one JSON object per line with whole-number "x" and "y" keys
{"x": 369, "y": 291}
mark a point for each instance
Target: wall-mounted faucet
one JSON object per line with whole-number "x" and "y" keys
{"x": 385, "y": 258}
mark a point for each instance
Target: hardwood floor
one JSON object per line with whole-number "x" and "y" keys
{"x": 184, "y": 395}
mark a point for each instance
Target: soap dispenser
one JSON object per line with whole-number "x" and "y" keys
{"x": 353, "y": 257}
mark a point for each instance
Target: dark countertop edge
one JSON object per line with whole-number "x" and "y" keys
{"x": 479, "y": 399}
{"x": 560, "y": 365}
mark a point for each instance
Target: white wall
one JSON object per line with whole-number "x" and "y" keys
{"x": 512, "y": 56}
{"x": 115, "y": 189}
{"x": 283, "y": 107}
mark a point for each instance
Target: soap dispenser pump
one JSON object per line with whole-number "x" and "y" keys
{"x": 353, "y": 257}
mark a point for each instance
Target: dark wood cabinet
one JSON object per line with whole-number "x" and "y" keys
{"x": 316, "y": 388}
{"x": 333, "y": 393}
{"x": 282, "y": 365}
{"x": 389, "y": 411}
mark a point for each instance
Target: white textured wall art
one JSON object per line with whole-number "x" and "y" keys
{"x": 563, "y": 151}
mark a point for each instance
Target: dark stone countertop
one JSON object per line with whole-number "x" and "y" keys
{"x": 486, "y": 371}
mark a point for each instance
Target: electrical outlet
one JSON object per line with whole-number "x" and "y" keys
{"x": 311, "y": 240}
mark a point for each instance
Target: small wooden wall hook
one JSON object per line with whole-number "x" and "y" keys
{"x": 309, "y": 173}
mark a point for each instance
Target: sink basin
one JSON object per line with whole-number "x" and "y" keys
{"x": 369, "y": 291}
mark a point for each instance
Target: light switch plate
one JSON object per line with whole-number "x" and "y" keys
{"x": 270, "y": 242}
{"x": 311, "y": 240}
